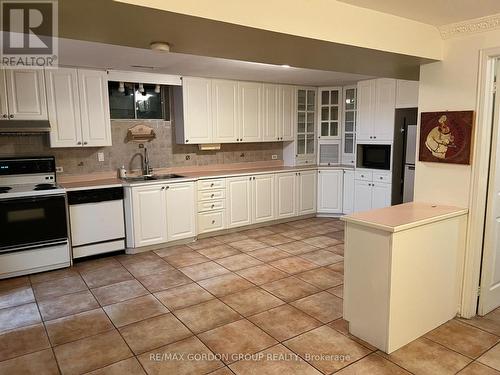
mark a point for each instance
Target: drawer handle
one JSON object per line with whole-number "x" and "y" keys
{"x": 213, "y": 205}
{"x": 381, "y": 178}
{"x": 212, "y": 195}
{"x": 212, "y": 184}
{"x": 362, "y": 175}
{"x": 213, "y": 221}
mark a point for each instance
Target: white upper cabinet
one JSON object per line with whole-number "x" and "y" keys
{"x": 250, "y": 111}
{"x": 286, "y": 112}
{"x": 286, "y": 195}
{"x": 181, "y": 213}
{"x": 271, "y": 131}
{"x": 25, "y": 93}
{"x": 78, "y": 107}
{"x": 406, "y": 94}
{"x": 330, "y": 112}
{"x": 225, "y": 111}
{"x": 376, "y": 107}
{"x": 330, "y": 191}
{"x": 193, "y": 111}
{"x": 349, "y": 125}
{"x": 239, "y": 201}
{"x": 307, "y": 192}
{"x": 306, "y": 113}
{"x": 64, "y": 107}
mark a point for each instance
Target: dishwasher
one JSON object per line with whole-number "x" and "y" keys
{"x": 97, "y": 221}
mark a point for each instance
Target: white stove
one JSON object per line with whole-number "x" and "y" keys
{"x": 33, "y": 217}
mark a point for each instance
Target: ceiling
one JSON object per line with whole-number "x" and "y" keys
{"x": 433, "y": 12}
{"x": 106, "y": 56}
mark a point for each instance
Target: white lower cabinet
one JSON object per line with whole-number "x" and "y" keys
{"x": 381, "y": 195}
{"x": 263, "y": 198}
{"x": 180, "y": 199}
{"x": 239, "y": 201}
{"x": 371, "y": 195}
{"x": 307, "y": 182}
{"x": 286, "y": 195}
{"x": 348, "y": 192}
{"x": 159, "y": 213}
{"x": 330, "y": 186}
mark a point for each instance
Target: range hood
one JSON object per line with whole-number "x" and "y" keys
{"x": 24, "y": 127}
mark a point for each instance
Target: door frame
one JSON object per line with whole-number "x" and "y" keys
{"x": 478, "y": 191}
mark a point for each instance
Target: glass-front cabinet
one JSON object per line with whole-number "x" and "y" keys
{"x": 306, "y": 113}
{"x": 349, "y": 125}
{"x": 330, "y": 112}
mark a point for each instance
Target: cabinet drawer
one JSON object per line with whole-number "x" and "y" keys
{"x": 206, "y": 195}
{"x": 210, "y": 206}
{"x": 210, "y": 221}
{"x": 212, "y": 184}
{"x": 363, "y": 176}
{"x": 382, "y": 177}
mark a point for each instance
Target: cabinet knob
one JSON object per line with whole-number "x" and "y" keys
{"x": 84, "y": 143}
{"x": 4, "y": 116}
{"x": 168, "y": 187}
{"x": 213, "y": 205}
{"x": 212, "y": 184}
{"x": 362, "y": 175}
{"x": 375, "y": 137}
{"x": 250, "y": 178}
{"x": 11, "y": 116}
{"x": 78, "y": 143}
{"x": 212, "y": 196}
{"x": 187, "y": 140}
{"x": 213, "y": 221}
{"x": 381, "y": 178}
{"x": 163, "y": 188}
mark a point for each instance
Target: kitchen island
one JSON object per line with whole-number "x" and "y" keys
{"x": 403, "y": 270}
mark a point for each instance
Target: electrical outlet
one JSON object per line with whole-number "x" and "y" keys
{"x": 100, "y": 156}
{"x": 59, "y": 169}
{"x": 274, "y": 157}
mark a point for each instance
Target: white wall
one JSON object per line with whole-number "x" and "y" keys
{"x": 451, "y": 84}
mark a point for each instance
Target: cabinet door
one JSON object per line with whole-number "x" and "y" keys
{"x": 94, "y": 107}
{"x": 385, "y": 101}
{"x": 271, "y": 130}
{"x": 349, "y": 126}
{"x": 4, "y": 109}
{"x": 366, "y": 102}
{"x": 330, "y": 191}
{"x": 225, "y": 111}
{"x": 381, "y": 195}
{"x": 197, "y": 108}
{"x": 348, "y": 196}
{"x": 362, "y": 195}
{"x": 286, "y": 195}
{"x": 239, "y": 201}
{"x": 286, "y": 113}
{"x": 149, "y": 215}
{"x": 406, "y": 93}
{"x": 63, "y": 102}
{"x": 181, "y": 214}
{"x": 330, "y": 112}
{"x": 250, "y": 109}
{"x": 26, "y": 94}
{"x": 263, "y": 198}
{"x": 307, "y": 192}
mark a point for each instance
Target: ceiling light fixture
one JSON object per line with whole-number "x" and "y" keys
{"x": 285, "y": 66}
{"x": 121, "y": 87}
{"x": 141, "y": 88}
{"x": 160, "y": 46}
{"x": 157, "y": 89}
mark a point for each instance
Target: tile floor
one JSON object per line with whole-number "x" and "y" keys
{"x": 259, "y": 301}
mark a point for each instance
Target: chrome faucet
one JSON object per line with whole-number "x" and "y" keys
{"x": 146, "y": 168}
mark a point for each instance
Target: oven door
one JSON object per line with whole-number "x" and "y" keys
{"x": 31, "y": 222}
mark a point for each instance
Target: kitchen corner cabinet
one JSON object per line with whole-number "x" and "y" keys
{"x": 78, "y": 107}
{"x": 376, "y": 109}
{"x": 307, "y": 187}
{"x": 22, "y": 95}
{"x": 160, "y": 213}
{"x": 330, "y": 184}
{"x": 286, "y": 195}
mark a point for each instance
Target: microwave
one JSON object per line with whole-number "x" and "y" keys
{"x": 374, "y": 156}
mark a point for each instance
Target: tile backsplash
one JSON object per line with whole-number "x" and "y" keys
{"x": 163, "y": 151}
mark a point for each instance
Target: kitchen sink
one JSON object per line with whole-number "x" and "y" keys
{"x": 152, "y": 177}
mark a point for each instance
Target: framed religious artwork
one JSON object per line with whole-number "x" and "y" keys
{"x": 446, "y": 137}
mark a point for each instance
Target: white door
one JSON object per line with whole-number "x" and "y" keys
{"x": 330, "y": 191}
{"x": 94, "y": 107}
{"x": 263, "y": 198}
{"x": 348, "y": 195}
{"x": 287, "y": 113}
{"x": 197, "y": 106}
{"x": 250, "y": 110}
{"x": 239, "y": 201}
{"x": 181, "y": 215}
{"x": 366, "y": 101}
{"x": 225, "y": 111}
{"x": 286, "y": 195}
{"x": 362, "y": 195}
{"x": 307, "y": 192}
{"x": 385, "y": 101}
{"x": 381, "y": 195}
{"x": 26, "y": 94}
{"x": 149, "y": 215}
{"x": 489, "y": 297}
{"x": 63, "y": 102}
{"x": 271, "y": 126}
{"x": 4, "y": 109}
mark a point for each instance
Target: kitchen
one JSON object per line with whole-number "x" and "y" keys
{"x": 161, "y": 196}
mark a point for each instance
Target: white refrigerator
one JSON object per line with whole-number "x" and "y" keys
{"x": 409, "y": 168}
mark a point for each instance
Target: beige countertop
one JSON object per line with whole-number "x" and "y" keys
{"x": 404, "y": 216}
{"x": 101, "y": 181}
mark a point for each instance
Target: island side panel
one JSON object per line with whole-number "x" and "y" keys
{"x": 426, "y": 274}
{"x": 367, "y": 283}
